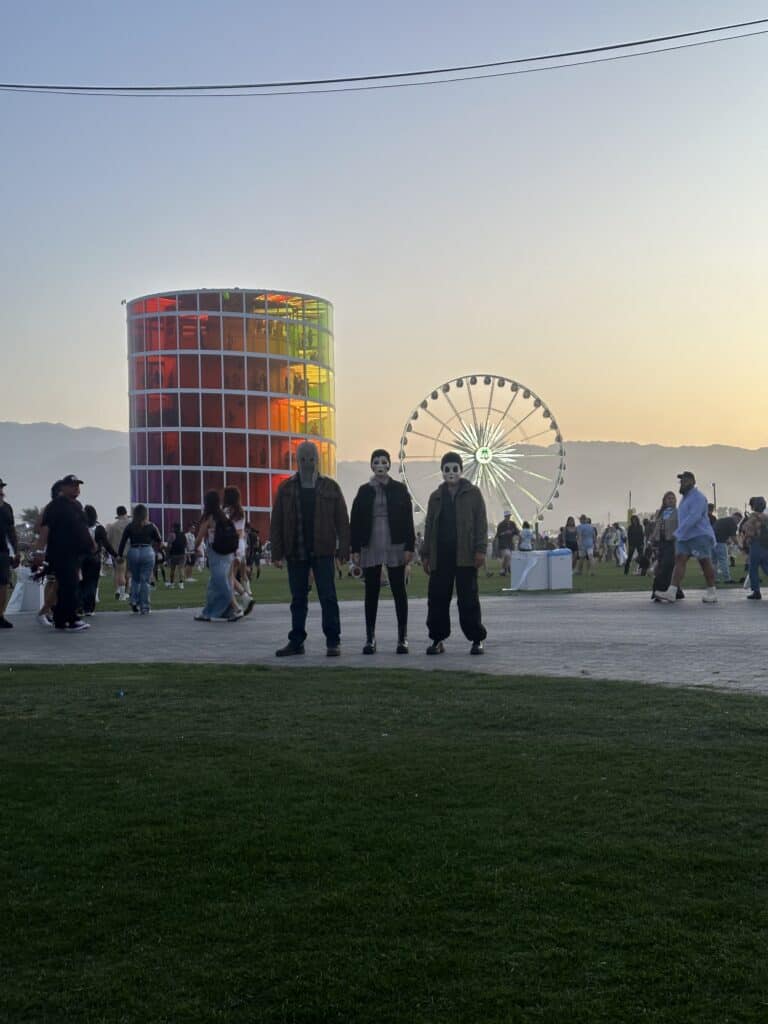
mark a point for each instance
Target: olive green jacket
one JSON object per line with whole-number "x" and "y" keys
{"x": 471, "y": 524}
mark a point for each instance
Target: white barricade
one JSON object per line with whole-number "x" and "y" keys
{"x": 560, "y": 565}
{"x": 27, "y": 595}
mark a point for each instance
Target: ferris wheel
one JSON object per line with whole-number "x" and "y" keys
{"x": 508, "y": 439}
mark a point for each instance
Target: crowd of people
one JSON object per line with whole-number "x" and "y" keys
{"x": 313, "y": 535}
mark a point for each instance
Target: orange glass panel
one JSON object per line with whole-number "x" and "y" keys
{"x": 170, "y": 410}
{"x": 140, "y": 410}
{"x": 235, "y": 450}
{"x": 210, "y": 372}
{"x": 258, "y": 490}
{"x": 211, "y": 410}
{"x": 166, "y": 303}
{"x": 210, "y": 301}
{"x": 281, "y": 453}
{"x": 190, "y": 449}
{"x": 256, "y": 370}
{"x": 167, "y": 332}
{"x": 256, "y": 335}
{"x": 139, "y": 373}
{"x": 135, "y": 308}
{"x": 213, "y": 480}
{"x": 232, "y": 302}
{"x": 171, "y": 448}
{"x": 234, "y": 373}
{"x": 153, "y": 305}
{"x": 255, "y": 302}
{"x": 191, "y": 487}
{"x": 210, "y": 332}
{"x": 189, "y": 409}
{"x": 234, "y": 411}
{"x": 213, "y": 449}
{"x": 154, "y": 406}
{"x": 233, "y": 334}
{"x": 239, "y": 480}
{"x": 188, "y": 302}
{"x": 151, "y": 334}
{"x": 258, "y": 413}
{"x": 279, "y": 378}
{"x": 258, "y": 453}
{"x": 277, "y": 338}
{"x": 188, "y": 332}
{"x": 189, "y": 372}
{"x": 169, "y": 371}
{"x": 277, "y": 479}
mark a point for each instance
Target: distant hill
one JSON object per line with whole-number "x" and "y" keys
{"x": 599, "y": 474}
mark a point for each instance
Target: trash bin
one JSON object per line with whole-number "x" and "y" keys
{"x": 560, "y": 565}
{"x": 528, "y": 571}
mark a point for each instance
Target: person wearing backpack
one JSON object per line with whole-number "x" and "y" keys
{"x": 220, "y": 535}
{"x": 755, "y": 541}
{"x": 177, "y": 555}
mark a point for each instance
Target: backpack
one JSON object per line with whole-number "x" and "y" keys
{"x": 225, "y": 539}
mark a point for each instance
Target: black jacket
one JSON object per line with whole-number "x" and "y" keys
{"x": 399, "y": 513}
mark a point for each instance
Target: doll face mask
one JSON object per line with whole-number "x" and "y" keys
{"x": 452, "y": 472}
{"x": 380, "y": 466}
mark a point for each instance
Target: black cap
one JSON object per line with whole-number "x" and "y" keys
{"x": 688, "y": 473}
{"x": 70, "y": 480}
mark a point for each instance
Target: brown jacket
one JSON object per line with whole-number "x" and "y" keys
{"x": 471, "y": 524}
{"x": 331, "y": 520}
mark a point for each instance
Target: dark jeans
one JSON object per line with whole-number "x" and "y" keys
{"x": 631, "y": 549}
{"x": 665, "y": 565}
{"x": 298, "y": 580}
{"x": 372, "y": 579}
{"x": 758, "y": 559}
{"x": 68, "y": 591}
{"x": 439, "y": 596}
{"x": 91, "y": 570}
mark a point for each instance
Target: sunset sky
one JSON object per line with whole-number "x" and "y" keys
{"x": 599, "y": 233}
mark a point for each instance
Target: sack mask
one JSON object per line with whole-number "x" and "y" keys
{"x": 306, "y": 457}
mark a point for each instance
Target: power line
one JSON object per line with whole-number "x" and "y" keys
{"x": 293, "y": 87}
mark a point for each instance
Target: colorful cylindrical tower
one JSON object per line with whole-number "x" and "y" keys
{"x": 224, "y": 385}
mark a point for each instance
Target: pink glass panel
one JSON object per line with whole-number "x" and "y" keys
{"x": 171, "y": 487}
{"x": 190, "y": 449}
{"x": 191, "y": 488}
{"x": 154, "y": 448}
{"x": 155, "y": 486}
{"x": 171, "y": 448}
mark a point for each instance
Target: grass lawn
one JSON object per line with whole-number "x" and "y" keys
{"x": 272, "y": 588}
{"x": 244, "y": 845}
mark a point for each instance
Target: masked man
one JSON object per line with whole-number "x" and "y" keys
{"x": 455, "y": 542}
{"x": 310, "y": 527}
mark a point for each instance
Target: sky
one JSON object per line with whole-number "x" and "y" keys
{"x": 597, "y": 233}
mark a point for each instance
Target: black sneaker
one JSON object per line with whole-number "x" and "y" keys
{"x": 333, "y": 652}
{"x": 436, "y": 648}
{"x": 289, "y": 650}
{"x": 402, "y": 646}
{"x": 4, "y": 623}
{"x": 370, "y": 646}
{"x": 249, "y": 607}
{"x": 477, "y": 647}
{"x": 135, "y": 609}
{"x": 754, "y": 596}
{"x": 77, "y": 627}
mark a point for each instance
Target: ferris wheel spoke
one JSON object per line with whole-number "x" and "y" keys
{"x": 449, "y": 400}
{"x": 488, "y": 411}
{"x": 538, "y": 476}
{"x": 449, "y": 428}
{"x": 519, "y": 423}
{"x": 474, "y": 411}
{"x": 511, "y": 403}
{"x": 510, "y": 504}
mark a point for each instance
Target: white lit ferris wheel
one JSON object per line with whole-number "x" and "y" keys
{"x": 508, "y": 439}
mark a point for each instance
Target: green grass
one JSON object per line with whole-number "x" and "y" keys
{"x": 272, "y": 588}
{"x": 236, "y": 844}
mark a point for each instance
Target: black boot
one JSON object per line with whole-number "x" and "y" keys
{"x": 436, "y": 647}
{"x": 370, "y": 645}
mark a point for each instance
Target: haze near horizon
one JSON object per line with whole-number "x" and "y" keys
{"x": 597, "y": 233}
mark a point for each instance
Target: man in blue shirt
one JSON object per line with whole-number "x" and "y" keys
{"x": 694, "y": 537}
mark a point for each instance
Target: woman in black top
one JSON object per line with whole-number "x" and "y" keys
{"x": 635, "y": 541}
{"x": 382, "y": 533}
{"x": 144, "y": 539}
{"x": 90, "y": 569}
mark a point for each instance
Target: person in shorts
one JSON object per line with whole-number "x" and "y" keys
{"x": 585, "y": 538}
{"x": 694, "y": 538}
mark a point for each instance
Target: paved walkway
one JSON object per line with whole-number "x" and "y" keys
{"x": 612, "y": 636}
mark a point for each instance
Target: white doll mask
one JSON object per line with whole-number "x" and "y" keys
{"x": 452, "y": 473}
{"x": 380, "y": 465}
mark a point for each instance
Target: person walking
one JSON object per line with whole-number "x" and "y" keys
{"x": 383, "y": 534}
{"x": 144, "y": 539}
{"x": 9, "y": 553}
{"x": 570, "y": 539}
{"x": 635, "y": 541}
{"x": 65, "y": 539}
{"x": 309, "y": 529}
{"x": 238, "y": 579}
{"x": 90, "y": 569}
{"x": 726, "y": 530}
{"x": 506, "y": 534}
{"x": 694, "y": 537}
{"x": 177, "y": 555}
{"x": 755, "y": 540}
{"x": 663, "y": 545}
{"x": 115, "y": 531}
{"x": 455, "y": 542}
{"x": 219, "y": 534}
{"x": 585, "y": 533}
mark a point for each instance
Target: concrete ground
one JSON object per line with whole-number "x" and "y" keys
{"x": 612, "y": 636}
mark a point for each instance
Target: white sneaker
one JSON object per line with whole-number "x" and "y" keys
{"x": 668, "y": 596}
{"x": 710, "y": 596}
{"x": 181, "y": 586}
{"x": 44, "y": 621}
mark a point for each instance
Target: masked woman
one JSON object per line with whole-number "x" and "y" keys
{"x": 383, "y": 534}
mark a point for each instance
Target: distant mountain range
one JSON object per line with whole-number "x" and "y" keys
{"x": 598, "y": 479}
